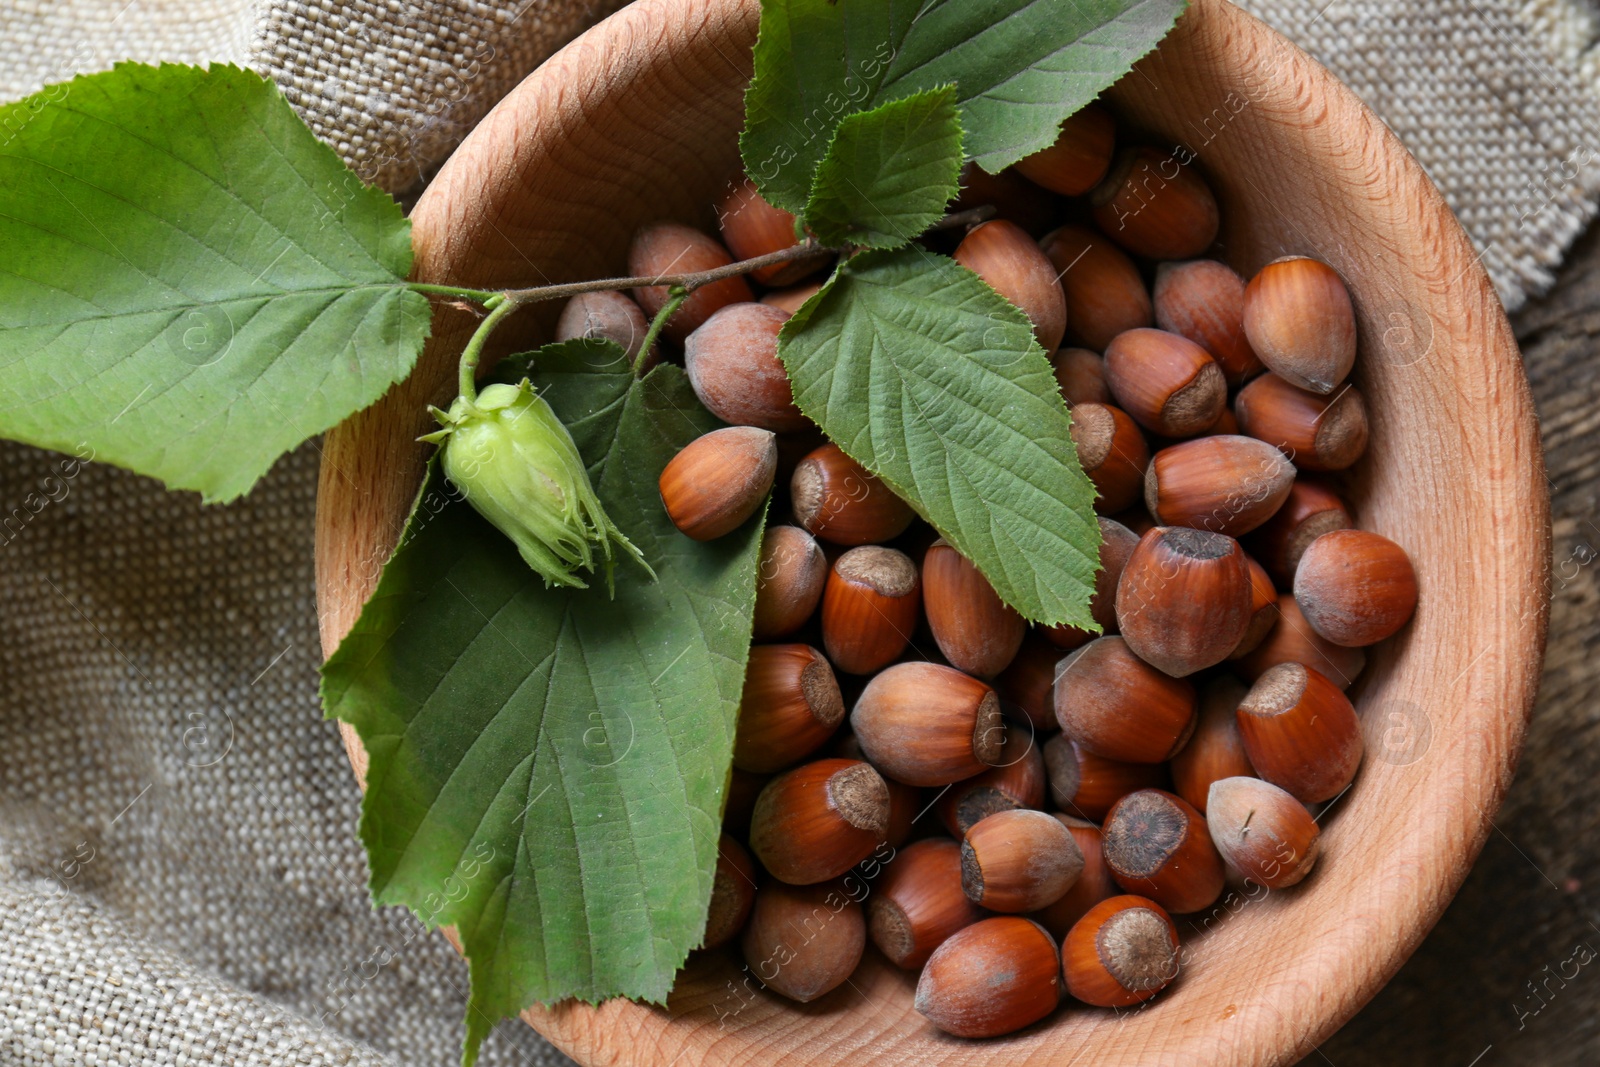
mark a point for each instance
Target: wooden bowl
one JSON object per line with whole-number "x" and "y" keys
{"x": 638, "y": 119}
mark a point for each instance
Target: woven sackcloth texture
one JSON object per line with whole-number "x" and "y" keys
{"x": 180, "y": 878}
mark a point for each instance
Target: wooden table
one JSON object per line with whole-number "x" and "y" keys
{"x": 1511, "y": 975}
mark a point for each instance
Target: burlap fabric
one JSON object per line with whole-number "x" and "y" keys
{"x": 180, "y": 880}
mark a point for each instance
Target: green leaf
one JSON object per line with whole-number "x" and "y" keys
{"x": 548, "y": 766}
{"x": 1020, "y": 68}
{"x": 193, "y": 283}
{"x": 927, "y": 377}
{"x": 889, "y": 172}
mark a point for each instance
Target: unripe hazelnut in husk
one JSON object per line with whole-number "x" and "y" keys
{"x": 1112, "y": 452}
{"x": 993, "y": 977}
{"x": 1002, "y": 254}
{"x": 1078, "y": 159}
{"x": 1299, "y": 319}
{"x": 803, "y": 941}
{"x": 733, "y": 891}
{"x": 789, "y": 708}
{"x": 790, "y": 577}
{"x": 817, "y": 821}
{"x": 1184, "y": 601}
{"x": 752, "y": 227}
{"x": 839, "y": 501}
{"x": 1301, "y": 732}
{"x": 1123, "y": 951}
{"x": 1088, "y": 786}
{"x": 1105, "y": 295}
{"x": 1216, "y": 750}
{"x": 1263, "y": 832}
{"x": 1226, "y": 483}
{"x": 918, "y": 902}
{"x": 1116, "y": 705}
{"x": 1157, "y": 845}
{"x": 1170, "y": 385}
{"x": 869, "y": 608}
{"x": 1203, "y": 300}
{"x": 1155, "y": 205}
{"x": 1355, "y": 587}
{"x": 665, "y": 248}
{"x": 732, "y": 363}
{"x": 1320, "y": 433}
{"x": 927, "y": 724}
{"x": 1018, "y": 860}
{"x": 977, "y": 631}
{"x": 719, "y": 480}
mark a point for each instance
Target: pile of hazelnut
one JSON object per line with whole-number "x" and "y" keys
{"x": 1011, "y": 808}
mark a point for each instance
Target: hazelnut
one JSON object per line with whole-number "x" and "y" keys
{"x": 1087, "y": 786}
{"x": 1104, "y": 292}
{"x": 1157, "y": 845}
{"x": 719, "y": 480}
{"x": 977, "y": 631}
{"x": 1266, "y": 834}
{"x": 1116, "y": 705}
{"x": 1002, "y": 254}
{"x": 1355, "y": 587}
{"x": 1226, "y": 484}
{"x": 1116, "y": 545}
{"x": 752, "y": 227}
{"x": 1203, "y": 300}
{"x": 803, "y": 941}
{"x": 1310, "y": 510}
{"x": 733, "y": 892}
{"x": 927, "y": 724}
{"x": 1081, "y": 374}
{"x": 1078, "y": 159}
{"x": 817, "y": 821}
{"x": 1027, "y": 685}
{"x": 993, "y": 977}
{"x": 1123, "y": 951}
{"x": 918, "y": 902}
{"x": 1299, "y": 320}
{"x": 1169, "y": 384}
{"x": 1155, "y": 206}
{"x": 606, "y": 315}
{"x": 790, "y": 707}
{"x": 1320, "y": 433}
{"x": 1112, "y": 452}
{"x": 1263, "y": 610}
{"x": 1216, "y": 750}
{"x": 869, "y": 608}
{"x": 1093, "y": 885}
{"x": 1301, "y": 732}
{"x": 789, "y": 580}
{"x": 732, "y": 363}
{"x": 1184, "y": 601}
{"x": 1018, "y": 860}
{"x": 663, "y": 248}
{"x": 1292, "y": 640}
{"x": 838, "y": 500}
{"x": 1018, "y": 782}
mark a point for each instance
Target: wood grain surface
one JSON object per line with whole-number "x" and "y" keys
{"x": 638, "y": 119}
{"x": 1511, "y": 975}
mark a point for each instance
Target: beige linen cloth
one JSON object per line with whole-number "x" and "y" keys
{"x": 180, "y": 878}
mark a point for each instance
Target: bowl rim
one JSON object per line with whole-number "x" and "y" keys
{"x": 650, "y": 34}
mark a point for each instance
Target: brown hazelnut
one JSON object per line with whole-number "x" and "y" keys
{"x": 977, "y": 631}
{"x": 790, "y": 707}
{"x": 719, "y": 480}
{"x": 1157, "y": 845}
{"x": 1155, "y": 205}
{"x": 1226, "y": 484}
{"x": 1116, "y": 705}
{"x": 839, "y": 501}
{"x": 1169, "y": 384}
{"x": 1355, "y": 587}
{"x": 869, "y": 608}
{"x": 1301, "y": 732}
{"x": 918, "y": 902}
{"x": 1184, "y": 601}
{"x": 1002, "y": 254}
{"x": 1320, "y": 433}
{"x": 664, "y": 248}
{"x": 993, "y": 977}
{"x": 1104, "y": 292}
{"x": 817, "y": 821}
{"x": 1299, "y": 320}
{"x": 803, "y": 941}
{"x": 926, "y": 724}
